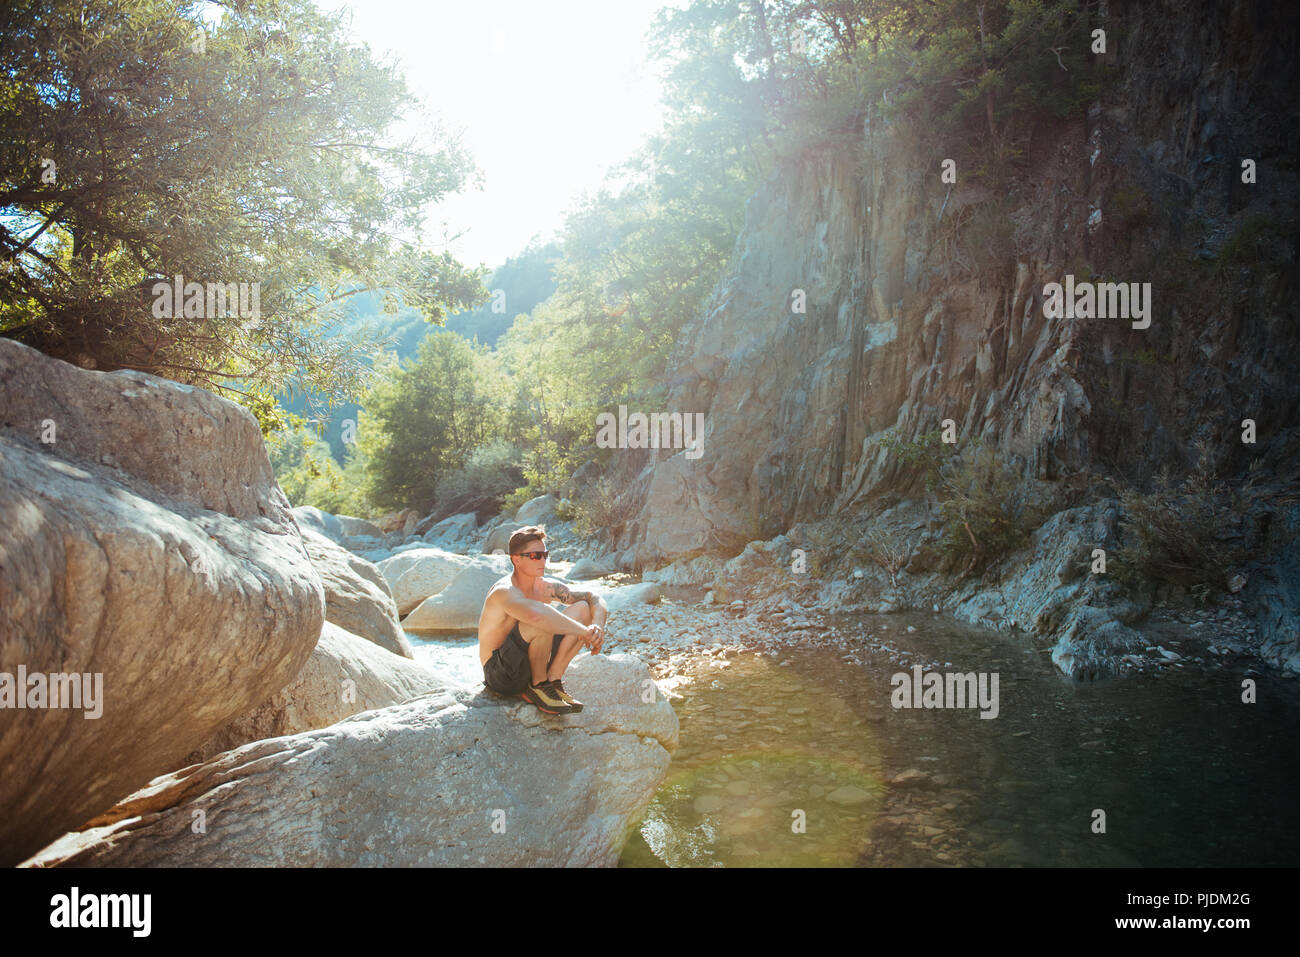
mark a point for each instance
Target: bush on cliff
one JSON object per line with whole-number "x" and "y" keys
{"x": 1194, "y": 533}
{"x": 986, "y": 505}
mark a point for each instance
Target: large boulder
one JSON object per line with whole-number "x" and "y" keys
{"x": 344, "y": 676}
{"x": 537, "y": 511}
{"x": 357, "y": 598}
{"x": 322, "y": 523}
{"x": 373, "y": 550}
{"x": 457, "y": 528}
{"x": 451, "y": 778}
{"x": 700, "y": 570}
{"x": 416, "y": 574}
{"x": 457, "y": 607}
{"x": 588, "y": 568}
{"x": 499, "y": 538}
{"x": 144, "y": 544}
{"x": 359, "y": 527}
{"x": 632, "y": 596}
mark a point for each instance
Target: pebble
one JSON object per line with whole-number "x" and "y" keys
{"x": 848, "y": 795}
{"x": 912, "y": 776}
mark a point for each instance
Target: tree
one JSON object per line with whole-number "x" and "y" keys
{"x": 143, "y": 142}
{"x": 425, "y": 418}
{"x": 309, "y": 475}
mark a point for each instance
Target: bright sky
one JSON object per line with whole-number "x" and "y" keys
{"x": 549, "y": 93}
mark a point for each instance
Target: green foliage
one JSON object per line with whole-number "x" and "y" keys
{"x": 309, "y": 475}
{"x": 271, "y": 418}
{"x": 888, "y": 552}
{"x": 925, "y": 455}
{"x": 257, "y": 149}
{"x": 600, "y": 510}
{"x": 525, "y": 281}
{"x": 1192, "y": 534}
{"x": 485, "y": 481}
{"x": 986, "y": 73}
{"x": 425, "y": 418}
{"x": 988, "y": 508}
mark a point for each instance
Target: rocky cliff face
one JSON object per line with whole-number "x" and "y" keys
{"x": 926, "y": 304}
{"x": 906, "y": 325}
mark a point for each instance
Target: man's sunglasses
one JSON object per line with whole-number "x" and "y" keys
{"x": 535, "y": 556}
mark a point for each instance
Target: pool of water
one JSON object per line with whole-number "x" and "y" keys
{"x": 453, "y": 655}
{"x": 802, "y": 760}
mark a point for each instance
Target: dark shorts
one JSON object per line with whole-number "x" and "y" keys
{"x": 507, "y": 672}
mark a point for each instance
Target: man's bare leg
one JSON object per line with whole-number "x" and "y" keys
{"x": 540, "y": 643}
{"x": 572, "y": 644}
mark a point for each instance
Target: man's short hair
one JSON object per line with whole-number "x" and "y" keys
{"x": 529, "y": 533}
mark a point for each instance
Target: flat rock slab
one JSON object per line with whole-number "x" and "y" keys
{"x": 451, "y": 778}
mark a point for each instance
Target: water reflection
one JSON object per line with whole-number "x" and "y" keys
{"x": 1184, "y": 772}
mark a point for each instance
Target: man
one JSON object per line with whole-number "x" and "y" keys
{"x": 523, "y": 643}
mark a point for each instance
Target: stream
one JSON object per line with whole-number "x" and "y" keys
{"x": 800, "y": 759}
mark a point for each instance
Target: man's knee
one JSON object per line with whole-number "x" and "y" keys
{"x": 579, "y": 611}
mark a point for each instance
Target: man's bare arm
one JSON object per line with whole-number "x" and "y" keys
{"x": 541, "y": 615}
{"x": 562, "y": 592}
{"x": 599, "y": 612}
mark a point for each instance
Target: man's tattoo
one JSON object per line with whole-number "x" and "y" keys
{"x": 564, "y": 594}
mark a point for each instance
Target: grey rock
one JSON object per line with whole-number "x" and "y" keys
{"x": 457, "y": 528}
{"x": 628, "y": 597}
{"x": 419, "y": 573}
{"x": 499, "y": 537}
{"x": 322, "y": 523}
{"x": 359, "y": 527}
{"x": 345, "y": 675}
{"x": 148, "y": 543}
{"x": 537, "y": 511}
{"x": 458, "y": 605}
{"x": 588, "y": 568}
{"x": 357, "y": 597}
{"x": 420, "y": 784}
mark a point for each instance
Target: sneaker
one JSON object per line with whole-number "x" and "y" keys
{"x": 545, "y": 699}
{"x": 557, "y": 689}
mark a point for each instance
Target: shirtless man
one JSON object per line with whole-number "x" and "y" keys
{"x": 523, "y": 643}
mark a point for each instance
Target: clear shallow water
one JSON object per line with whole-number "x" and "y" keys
{"x": 1186, "y": 774}
{"x": 453, "y": 655}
